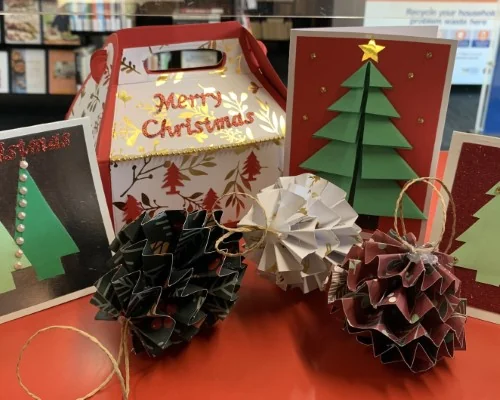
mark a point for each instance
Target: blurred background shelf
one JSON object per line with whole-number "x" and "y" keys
{"x": 92, "y": 21}
{"x": 19, "y": 110}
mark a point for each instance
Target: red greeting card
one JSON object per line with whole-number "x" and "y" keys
{"x": 473, "y": 176}
{"x": 366, "y": 111}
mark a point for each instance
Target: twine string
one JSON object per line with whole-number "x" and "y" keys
{"x": 244, "y": 229}
{"x": 123, "y": 352}
{"x": 399, "y": 215}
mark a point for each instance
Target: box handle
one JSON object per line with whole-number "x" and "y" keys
{"x": 188, "y": 59}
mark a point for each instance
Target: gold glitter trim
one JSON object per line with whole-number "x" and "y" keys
{"x": 210, "y": 148}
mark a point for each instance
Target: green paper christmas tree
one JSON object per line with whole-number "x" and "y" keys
{"x": 478, "y": 251}
{"x": 10, "y": 262}
{"x": 44, "y": 239}
{"x": 361, "y": 157}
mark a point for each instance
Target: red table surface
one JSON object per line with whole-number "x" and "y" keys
{"x": 274, "y": 345}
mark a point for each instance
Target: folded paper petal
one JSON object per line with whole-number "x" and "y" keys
{"x": 405, "y": 304}
{"x": 167, "y": 279}
{"x": 311, "y": 227}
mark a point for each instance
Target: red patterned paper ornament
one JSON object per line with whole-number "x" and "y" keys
{"x": 402, "y": 299}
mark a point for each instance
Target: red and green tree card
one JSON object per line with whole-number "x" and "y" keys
{"x": 54, "y": 225}
{"x": 366, "y": 112}
{"x": 473, "y": 176}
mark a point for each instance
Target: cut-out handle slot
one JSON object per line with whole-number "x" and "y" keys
{"x": 184, "y": 60}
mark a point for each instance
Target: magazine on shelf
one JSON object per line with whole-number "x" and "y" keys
{"x": 27, "y": 71}
{"x": 22, "y": 22}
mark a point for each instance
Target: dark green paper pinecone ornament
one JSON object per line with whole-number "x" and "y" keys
{"x": 167, "y": 279}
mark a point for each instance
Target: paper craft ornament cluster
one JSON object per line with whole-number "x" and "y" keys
{"x": 303, "y": 225}
{"x": 168, "y": 280}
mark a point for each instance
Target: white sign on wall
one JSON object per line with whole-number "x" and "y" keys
{"x": 472, "y": 23}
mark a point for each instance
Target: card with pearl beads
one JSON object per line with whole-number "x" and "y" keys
{"x": 54, "y": 223}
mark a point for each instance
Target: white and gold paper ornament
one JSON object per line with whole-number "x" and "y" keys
{"x": 310, "y": 228}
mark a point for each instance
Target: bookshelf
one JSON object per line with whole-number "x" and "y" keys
{"x": 34, "y": 33}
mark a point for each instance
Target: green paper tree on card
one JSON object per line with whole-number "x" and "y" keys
{"x": 39, "y": 233}
{"x": 8, "y": 249}
{"x": 478, "y": 251}
{"x": 361, "y": 157}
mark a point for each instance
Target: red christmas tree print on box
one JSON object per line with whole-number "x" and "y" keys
{"x": 132, "y": 209}
{"x": 210, "y": 201}
{"x": 172, "y": 179}
{"x": 252, "y": 167}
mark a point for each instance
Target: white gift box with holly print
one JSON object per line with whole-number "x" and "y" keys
{"x": 186, "y": 138}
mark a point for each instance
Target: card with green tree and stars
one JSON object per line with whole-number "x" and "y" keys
{"x": 54, "y": 224}
{"x": 366, "y": 110}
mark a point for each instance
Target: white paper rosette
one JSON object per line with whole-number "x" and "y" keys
{"x": 311, "y": 228}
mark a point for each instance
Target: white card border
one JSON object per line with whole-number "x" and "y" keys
{"x": 369, "y": 35}
{"x": 40, "y": 129}
{"x": 5, "y": 70}
{"x": 457, "y": 141}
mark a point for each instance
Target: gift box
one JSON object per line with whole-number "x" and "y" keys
{"x": 183, "y": 138}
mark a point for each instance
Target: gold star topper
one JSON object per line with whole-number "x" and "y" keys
{"x": 371, "y": 50}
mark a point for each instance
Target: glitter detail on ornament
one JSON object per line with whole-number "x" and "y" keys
{"x": 420, "y": 120}
{"x": 323, "y": 89}
{"x": 23, "y": 190}
{"x": 20, "y": 228}
{"x": 305, "y": 117}
{"x": 23, "y": 164}
{"x": 19, "y": 253}
{"x": 23, "y": 177}
{"x": 428, "y": 55}
{"x": 21, "y": 215}
{"x": 20, "y": 241}
{"x": 18, "y": 265}
{"x": 411, "y": 75}
{"x": 23, "y": 203}
{"x": 313, "y": 56}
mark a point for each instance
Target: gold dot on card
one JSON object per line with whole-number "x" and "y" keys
{"x": 428, "y": 54}
{"x": 420, "y": 120}
{"x": 323, "y": 89}
{"x": 497, "y": 190}
{"x": 411, "y": 75}
{"x": 313, "y": 56}
{"x": 305, "y": 117}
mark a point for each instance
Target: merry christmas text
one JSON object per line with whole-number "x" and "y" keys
{"x": 150, "y": 128}
{"x": 42, "y": 144}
